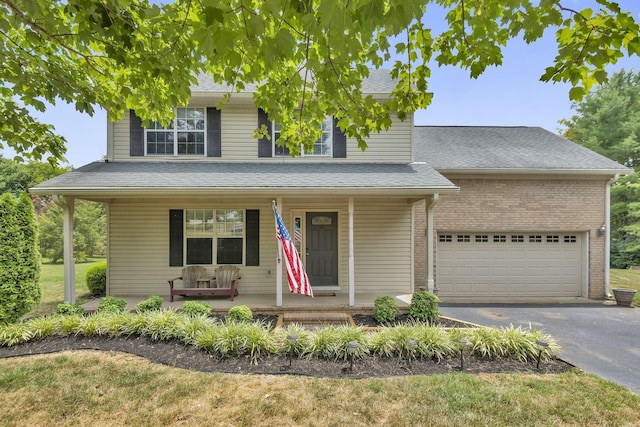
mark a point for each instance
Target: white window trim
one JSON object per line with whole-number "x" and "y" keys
{"x": 303, "y": 153}
{"x": 175, "y": 131}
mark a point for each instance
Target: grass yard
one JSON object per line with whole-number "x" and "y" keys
{"x": 52, "y": 281}
{"x": 93, "y": 388}
{"x": 626, "y": 279}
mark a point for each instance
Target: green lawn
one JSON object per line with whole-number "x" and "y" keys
{"x": 626, "y": 279}
{"x": 52, "y": 281}
{"x": 116, "y": 389}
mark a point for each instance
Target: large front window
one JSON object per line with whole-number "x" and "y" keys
{"x": 185, "y": 136}
{"x": 322, "y": 146}
{"x": 215, "y": 234}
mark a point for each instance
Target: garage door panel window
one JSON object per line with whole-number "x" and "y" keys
{"x": 535, "y": 239}
{"x": 464, "y": 238}
{"x": 570, "y": 239}
{"x": 482, "y": 238}
{"x": 553, "y": 239}
{"x": 500, "y": 238}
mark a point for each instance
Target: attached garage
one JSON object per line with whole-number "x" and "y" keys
{"x": 527, "y": 264}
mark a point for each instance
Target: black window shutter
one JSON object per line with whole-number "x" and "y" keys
{"x": 136, "y": 135}
{"x": 176, "y": 237}
{"x": 339, "y": 142}
{"x": 252, "y": 218}
{"x": 214, "y": 132}
{"x": 264, "y": 144}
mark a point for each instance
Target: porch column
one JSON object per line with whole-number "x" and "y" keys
{"x": 352, "y": 291}
{"x": 68, "y": 205}
{"x": 429, "y": 205}
{"x": 279, "y": 261}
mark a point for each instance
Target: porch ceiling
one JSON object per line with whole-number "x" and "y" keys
{"x": 109, "y": 179}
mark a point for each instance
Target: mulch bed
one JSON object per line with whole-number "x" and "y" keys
{"x": 176, "y": 354}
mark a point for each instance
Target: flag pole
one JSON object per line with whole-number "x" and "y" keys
{"x": 274, "y": 205}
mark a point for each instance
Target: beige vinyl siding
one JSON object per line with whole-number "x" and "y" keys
{"x": 121, "y": 138}
{"x": 139, "y": 244}
{"x": 391, "y": 146}
{"x": 382, "y": 235}
{"x": 239, "y": 122}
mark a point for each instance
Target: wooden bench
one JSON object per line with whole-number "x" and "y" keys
{"x": 196, "y": 282}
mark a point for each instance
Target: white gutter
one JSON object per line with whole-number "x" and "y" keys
{"x": 194, "y": 191}
{"x": 532, "y": 171}
{"x": 607, "y": 237}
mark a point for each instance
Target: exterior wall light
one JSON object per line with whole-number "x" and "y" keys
{"x": 600, "y": 231}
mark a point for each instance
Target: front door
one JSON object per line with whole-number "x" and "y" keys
{"x": 322, "y": 248}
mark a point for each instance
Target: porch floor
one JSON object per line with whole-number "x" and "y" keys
{"x": 266, "y": 303}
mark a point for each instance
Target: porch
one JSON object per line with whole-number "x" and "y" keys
{"x": 266, "y": 303}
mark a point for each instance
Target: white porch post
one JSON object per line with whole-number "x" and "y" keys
{"x": 68, "y": 205}
{"x": 429, "y": 205}
{"x": 352, "y": 291}
{"x": 279, "y": 261}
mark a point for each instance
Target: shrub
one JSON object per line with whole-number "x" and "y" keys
{"x": 65, "y": 309}
{"x": 163, "y": 325}
{"x": 332, "y": 343}
{"x": 154, "y": 302}
{"x": 195, "y": 308}
{"x": 424, "y": 306}
{"x": 240, "y": 313}
{"x": 112, "y": 305}
{"x": 20, "y": 289}
{"x": 96, "y": 277}
{"x": 301, "y": 346}
{"x": 385, "y": 309}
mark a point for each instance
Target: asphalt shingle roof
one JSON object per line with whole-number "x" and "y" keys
{"x": 379, "y": 81}
{"x": 448, "y": 148}
{"x": 218, "y": 176}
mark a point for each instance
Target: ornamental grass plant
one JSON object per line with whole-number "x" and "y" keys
{"x": 257, "y": 339}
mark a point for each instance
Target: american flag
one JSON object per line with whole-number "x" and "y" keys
{"x": 297, "y": 277}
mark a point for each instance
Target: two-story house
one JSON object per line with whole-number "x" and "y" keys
{"x": 472, "y": 212}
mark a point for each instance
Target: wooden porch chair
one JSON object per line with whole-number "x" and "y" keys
{"x": 190, "y": 276}
{"x": 226, "y": 278}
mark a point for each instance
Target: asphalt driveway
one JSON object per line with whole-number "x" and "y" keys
{"x": 598, "y": 338}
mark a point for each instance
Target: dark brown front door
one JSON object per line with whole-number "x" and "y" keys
{"x": 322, "y": 248}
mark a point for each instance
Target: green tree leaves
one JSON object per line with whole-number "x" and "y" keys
{"x": 608, "y": 121}
{"x": 305, "y": 56}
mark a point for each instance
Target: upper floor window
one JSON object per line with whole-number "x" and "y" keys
{"x": 322, "y": 147}
{"x": 185, "y": 136}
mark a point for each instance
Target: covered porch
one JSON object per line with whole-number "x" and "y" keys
{"x": 373, "y": 207}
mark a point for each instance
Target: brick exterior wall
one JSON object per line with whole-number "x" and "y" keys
{"x": 495, "y": 204}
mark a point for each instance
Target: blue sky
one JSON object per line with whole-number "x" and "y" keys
{"x": 509, "y": 95}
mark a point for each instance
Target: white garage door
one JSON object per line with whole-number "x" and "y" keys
{"x": 509, "y": 265}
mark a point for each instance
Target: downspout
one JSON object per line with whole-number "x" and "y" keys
{"x": 607, "y": 237}
{"x": 430, "y": 281}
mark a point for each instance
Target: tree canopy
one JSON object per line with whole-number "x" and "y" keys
{"x": 607, "y": 121}
{"x": 308, "y": 58}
